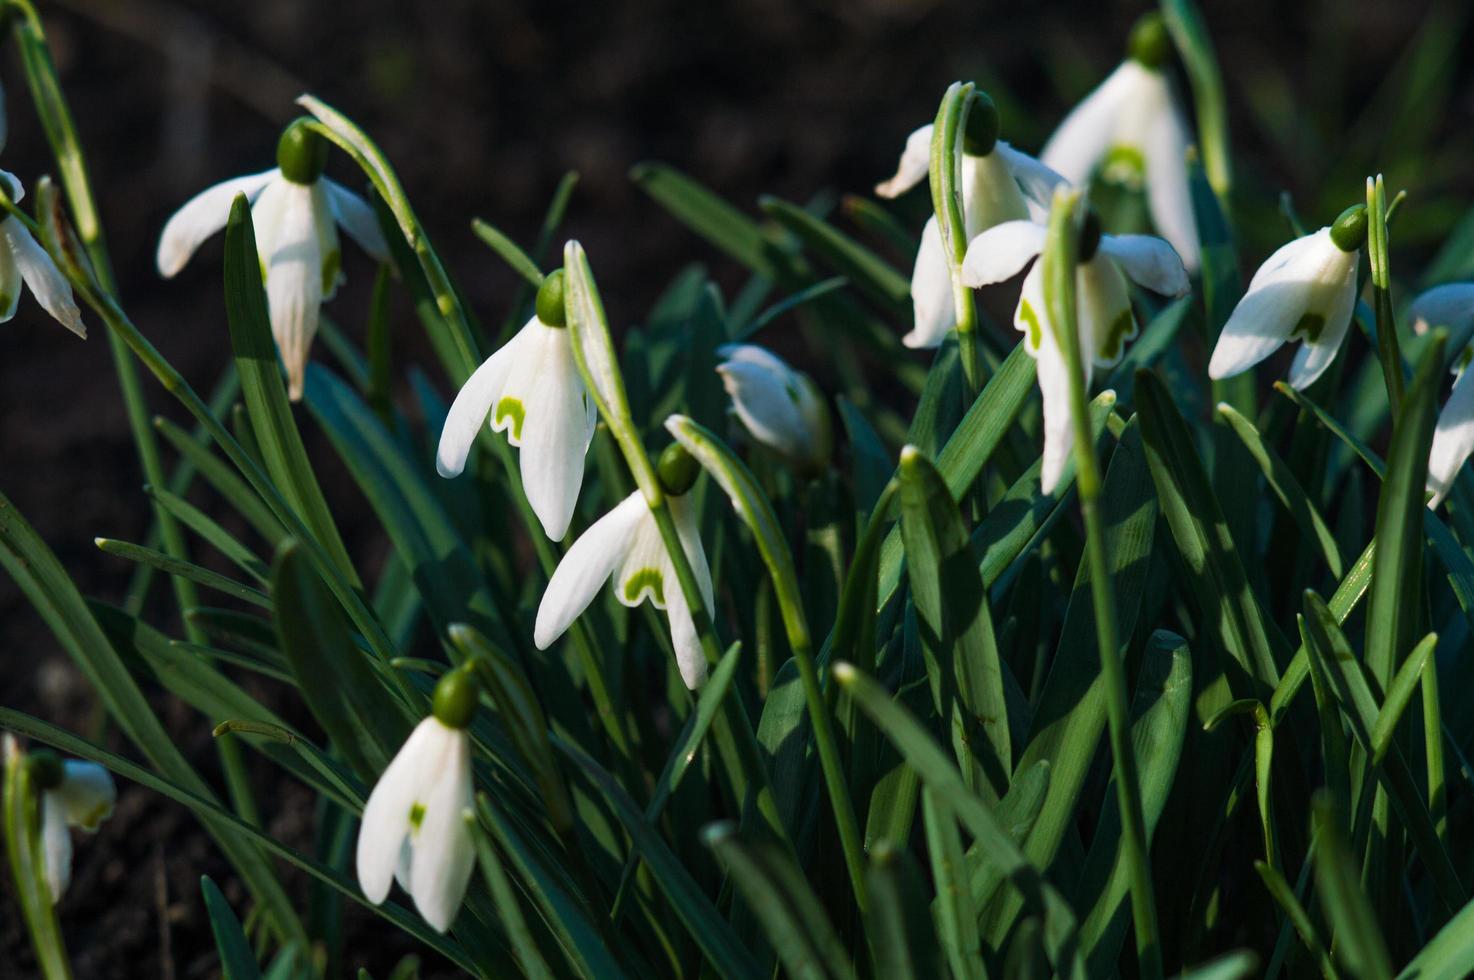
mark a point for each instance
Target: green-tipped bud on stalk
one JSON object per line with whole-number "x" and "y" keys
{"x": 302, "y": 153}
{"x": 983, "y": 124}
{"x": 456, "y": 693}
{"x": 550, "y": 300}
{"x": 677, "y": 470}
{"x": 1349, "y": 230}
{"x": 1149, "y": 44}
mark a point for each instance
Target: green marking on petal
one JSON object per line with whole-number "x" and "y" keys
{"x": 511, "y": 408}
{"x": 793, "y": 395}
{"x": 1309, "y": 328}
{"x": 5, "y": 302}
{"x": 1124, "y": 165}
{"x": 1120, "y": 331}
{"x": 645, "y": 578}
{"x": 331, "y": 264}
{"x": 416, "y": 815}
{"x": 1465, "y": 357}
{"x": 1034, "y": 335}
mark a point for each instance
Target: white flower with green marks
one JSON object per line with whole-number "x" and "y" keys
{"x": 1131, "y": 130}
{"x": 295, "y": 211}
{"x": 1305, "y": 291}
{"x": 1450, "y": 306}
{"x": 1106, "y": 321}
{"x": 782, "y": 408}
{"x": 73, "y": 794}
{"x": 23, "y": 260}
{"x": 998, "y": 183}
{"x": 414, "y": 827}
{"x": 625, "y": 545}
{"x": 532, "y": 391}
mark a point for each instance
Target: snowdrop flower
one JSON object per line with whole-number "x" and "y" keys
{"x": 414, "y": 827}
{"x": 625, "y": 545}
{"x": 1131, "y": 128}
{"x": 531, "y": 389}
{"x": 782, "y": 408}
{"x": 1450, "y": 306}
{"x": 296, "y": 212}
{"x": 998, "y": 182}
{"x": 23, "y": 260}
{"x": 73, "y": 794}
{"x": 1305, "y": 291}
{"x": 1105, "y": 319}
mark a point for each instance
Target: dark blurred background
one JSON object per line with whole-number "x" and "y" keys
{"x": 482, "y": 107}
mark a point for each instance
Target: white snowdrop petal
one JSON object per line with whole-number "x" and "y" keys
{"x": 1315, "y": 356}
{"x": 10, "y": 281}
{"x": 1149, "y": 261}
{"x": 990, "y": 195}
{"x": 1034, "y": 178}
{"x": 386, "y": 815}
{"x": 41, "y": 275}
{"x": 56, "y": 845}
{"x": 473, "y": 404}
{"x": 556, "y": 438}
{"x": 294, "y": 286}
{"x": 913, "y": 167}
{"x": 1105, "y": 319}
{"x": 443, "y": 849}
{"x": 767, "y": 402}
{"x": 202, "y": 216}
{"x": 1168, "y": 194}
{"x": 87, "y": 794}
{"x": 329, "y": 251}
{"x": 357, "y": 218}
{"x": 645, "y": 572}
{"x": 1257, "y": 327}
{"x": 683, "y": 511}
{"x": 1090, "y": 129}
{"x": 1001, "y": 252}
{"x": 933, "y": 309}
{"x": 586, "y": 567}
{"x": 689, "y": 657}
{"x": 1450, "y": 305}
{"x": 1453, "y": 438}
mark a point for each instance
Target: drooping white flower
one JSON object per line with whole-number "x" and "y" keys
{"x": 999, "y": 184}
{"x": 782, "y": 408}
{"x": 23, "y": 260}
{"x": 414, "y": 823}
{"x": 1104, "y": 318}
{"x": 1131, "y": 128}
{"x": 1305, "y": 291}
{"x": 83, "y": 798}
{"x": 296, "y": 212}
{"x": 625, "y": 545}
{"x": 531, "y": 389}
{"x": 1450, "y": 306}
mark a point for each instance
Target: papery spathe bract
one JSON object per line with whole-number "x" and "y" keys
{"x": 530, "y": 389}
{"x": 24, "y": 261}
{"x": 1001, "y": 185}
{"x": 625, "y": 545}
{"x": 1131, "y": 128}
{"x": 296, "y": 212}
{"x": 781, "y": 408}
{"x": 414, "y": 826}
{"x": 84, "y": 797}
{"x": 1305, "y": 291}
{"x": 1105, "y": 319}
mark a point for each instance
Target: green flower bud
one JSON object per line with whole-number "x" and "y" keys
{"x": 455, "y": 698}
{"x": 550, "y": 309}
{"x": 677, "y": 469}
{"x": 47, "y": 770}
{"x": 1349, "y": 230}
{"x": 982, "y": 125}
{"x": 302, "y": 154}
{"x": 1089, "y": 236}
{"x": 1150, "y": 44}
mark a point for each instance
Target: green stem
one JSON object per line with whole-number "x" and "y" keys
{"x": 61, "y": 133}
{"x": 1433, "y": 747}
{"x": 1387, "y": 346}
{"x": 1060, "y": 257}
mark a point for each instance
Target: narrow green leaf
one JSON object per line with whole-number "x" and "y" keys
{"x": 183, "y": 569}
{"x": 902, "y": 942}
{"x": 956, "y": 915}
{"x": 26, "y": 856}
{"x": 1448, "y": 954}
{"x": 523, "y": 945}
{"x": 219, "y": 475}
{"x": 1238, "y": 965}
{"x": 508, "y": 251}
{"x": 866, "y": 271}
{"x": 1358, "y": 937}
{"x": 206, "y": 527}
{"x": 1284, "y": 895}
{"x": 237, "y": 962}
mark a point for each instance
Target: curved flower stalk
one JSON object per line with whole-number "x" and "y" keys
{"x": 999, "y": 184}
{"x": 781, "y": 408}
{"x": 23, "y": 260}
{"x": 296, "y": 212}
{"x": 73, "y": 794}
{"x": 1131, "y": 128}
{"x": 625, "y": 545}
{"x": 1450, "y": 306}
{"x": 414, "y": 828}
{"x": 1305, "y": 291}
{"x": 1106, "y": 321}
{"x": 530, "y": 389}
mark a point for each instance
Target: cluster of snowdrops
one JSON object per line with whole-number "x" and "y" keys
{"x": 546, "y": 396}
